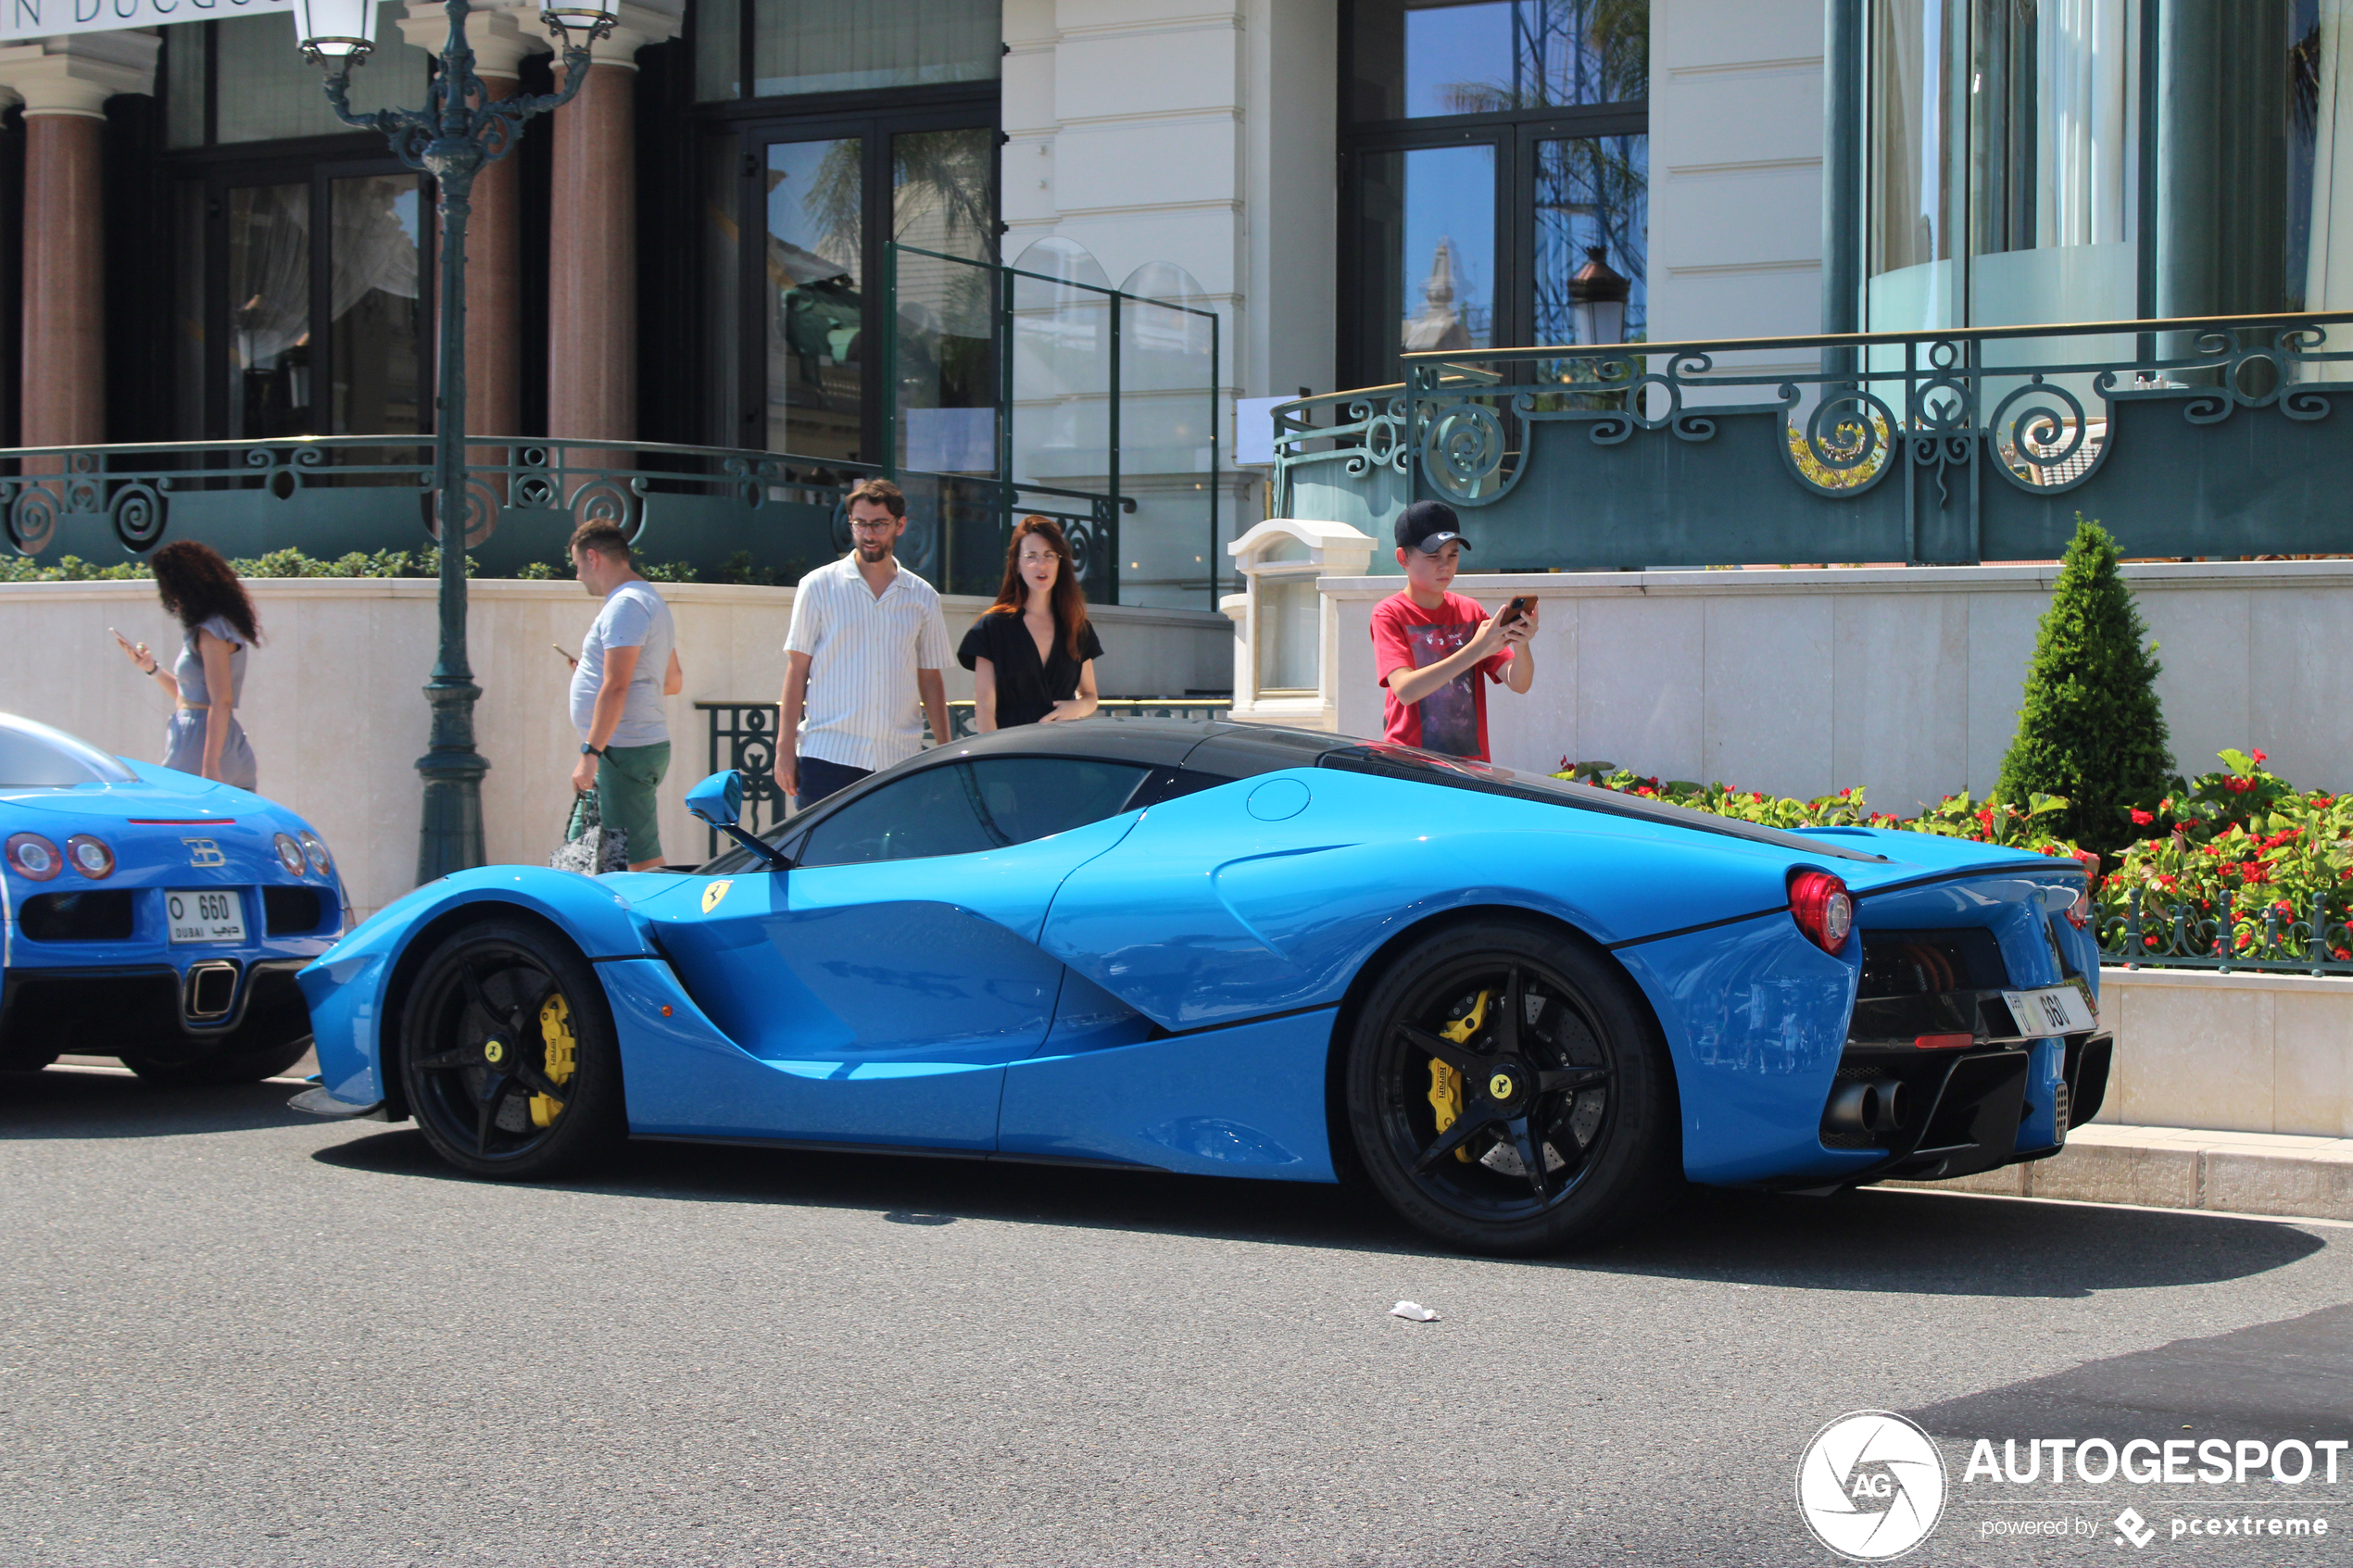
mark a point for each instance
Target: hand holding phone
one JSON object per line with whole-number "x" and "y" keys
{"x": 1517, "y": 609}
{"x": 565, "y": 657}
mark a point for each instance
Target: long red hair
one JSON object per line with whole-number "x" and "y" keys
{"x": 1069, "y": 598}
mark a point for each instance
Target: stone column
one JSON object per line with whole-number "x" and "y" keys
{"x": 64, "y": 84}
{"x": 592, "y": 283}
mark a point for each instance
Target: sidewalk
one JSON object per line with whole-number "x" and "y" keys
{"x": 2181, "y": 1168}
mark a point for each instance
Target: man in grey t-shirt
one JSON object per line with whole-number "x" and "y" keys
{"x": 616, "y": 692}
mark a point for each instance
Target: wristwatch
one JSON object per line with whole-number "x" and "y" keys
{"x": 587, "y": 750}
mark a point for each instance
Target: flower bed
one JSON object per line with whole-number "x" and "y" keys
{"x": 2235, "y": 868}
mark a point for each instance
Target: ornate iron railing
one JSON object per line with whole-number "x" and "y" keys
{"x": 730, "y": 513}
{"x": 2177, "y": 937}
{"x": 2194, "y": 437}
{"x": 743, "y": 737}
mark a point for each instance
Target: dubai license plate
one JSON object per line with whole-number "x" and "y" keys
{"x": 214, "y": 914}
{"x": 2054, "y": 1009}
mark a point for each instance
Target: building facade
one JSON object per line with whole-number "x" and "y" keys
{"x": 772, "y": 225}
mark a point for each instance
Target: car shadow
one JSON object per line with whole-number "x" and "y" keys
{"x": 1923, "y": 1243}
{"x": 69, "y": 1102}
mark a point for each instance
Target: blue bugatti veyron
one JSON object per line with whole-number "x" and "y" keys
{"x": 1524, "y": 1010}
{"x": 153, "y": 915}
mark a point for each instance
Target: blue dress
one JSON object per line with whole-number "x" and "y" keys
{"x": 184, "y": 741}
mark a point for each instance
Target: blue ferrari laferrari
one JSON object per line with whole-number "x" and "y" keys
{"x": 1525, "y": 1012}
{"x": 153, "y": 915}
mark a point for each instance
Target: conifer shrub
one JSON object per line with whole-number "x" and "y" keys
{"x": 2089, "y": 727}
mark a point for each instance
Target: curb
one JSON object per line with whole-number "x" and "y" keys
{"x": 2182, "y": 1168}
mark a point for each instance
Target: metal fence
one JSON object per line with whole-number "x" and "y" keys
{"x": 759, "y": 516}
{"x": 2191, "y": 438}
{"x": 2177, "y": 937}
{"x": 743, "y": 737}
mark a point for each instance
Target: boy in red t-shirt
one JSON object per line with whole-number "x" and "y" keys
{"x": 1430, "y": 647}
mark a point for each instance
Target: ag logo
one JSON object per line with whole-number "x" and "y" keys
{"x": 203, "y": 852}
{"x": 1871, "y": 1485}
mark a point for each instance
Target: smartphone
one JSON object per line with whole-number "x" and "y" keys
{"x": 560, "y": 648}
{"x": 1516, "y": 609}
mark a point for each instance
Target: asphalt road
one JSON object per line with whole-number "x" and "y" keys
{"x": 234, "y": 1336}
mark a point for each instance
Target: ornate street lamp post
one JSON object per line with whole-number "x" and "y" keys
{"x": 461, "y": 129}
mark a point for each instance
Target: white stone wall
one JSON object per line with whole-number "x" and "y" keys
{"x": 1903, "y": 679}
{"x": 333, "y": 702}
{"x": 1736, "y": 177}
{"x": 2240, "y": 1053}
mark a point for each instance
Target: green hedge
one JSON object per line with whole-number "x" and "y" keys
{"x": 737, "y": 568}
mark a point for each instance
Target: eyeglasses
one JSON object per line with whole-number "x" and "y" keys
{"x": 876, "y": 525}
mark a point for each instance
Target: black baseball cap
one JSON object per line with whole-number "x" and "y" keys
{"x": 1429, "y": 527}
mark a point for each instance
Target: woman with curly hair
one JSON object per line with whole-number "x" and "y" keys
{"x": 1033, "y": 652}
{"x": 209, "y": 679}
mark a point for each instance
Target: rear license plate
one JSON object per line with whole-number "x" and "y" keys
{"x": 2054, "y": 1009}
{"x": 204, "y": 915}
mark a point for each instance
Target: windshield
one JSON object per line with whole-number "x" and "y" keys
{"x": 33, "y": 756}
{"x": 1458, "y": 773}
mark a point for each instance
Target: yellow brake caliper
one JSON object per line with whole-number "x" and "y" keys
{"x": 1445, "y": 1083}
{"x": 554, "y": 1029}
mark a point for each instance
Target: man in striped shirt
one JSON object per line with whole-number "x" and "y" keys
{"x": 862, "y": 659}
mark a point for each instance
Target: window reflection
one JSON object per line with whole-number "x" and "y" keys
{"x": 1419, "y": 58}
{"x": 1593, "y": 204}
{"x": 268, "y": 280}
{"x": 815, "y": 306}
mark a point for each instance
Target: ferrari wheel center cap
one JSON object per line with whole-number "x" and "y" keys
{"x": 494, "y": 1051}
{"x": 1501, "y": 1086}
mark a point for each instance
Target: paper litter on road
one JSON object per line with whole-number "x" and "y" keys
{"x": 1413, "y": 1312}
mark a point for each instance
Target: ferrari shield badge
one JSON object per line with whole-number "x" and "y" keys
{"x": 712, "y": 894}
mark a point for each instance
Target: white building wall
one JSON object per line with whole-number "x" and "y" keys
{"x": 1736, "y": 173}
{"x": 1198, "y": 134}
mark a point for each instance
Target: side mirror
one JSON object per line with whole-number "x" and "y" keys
{"x": 719, "y": 800}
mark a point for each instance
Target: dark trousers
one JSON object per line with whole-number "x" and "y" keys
{"x": 820, "y": 778}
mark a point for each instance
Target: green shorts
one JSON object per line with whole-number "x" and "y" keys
{"x": 627, "y": 778}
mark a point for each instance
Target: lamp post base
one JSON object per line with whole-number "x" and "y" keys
{"x": 450, "y": 838}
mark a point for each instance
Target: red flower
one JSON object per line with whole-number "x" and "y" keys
{"x": 2143, "y": 819}
{"x": 2259, "y": 758}
{"x": 2246, "y": 939}
{"x": 2237, "y": 785}
{"x": 2282, "y": 905}
{"x": 1985, "y": 819}
{"x": 2340, "y": 953}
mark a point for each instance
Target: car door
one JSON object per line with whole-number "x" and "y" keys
{"x": 885, "y": 980}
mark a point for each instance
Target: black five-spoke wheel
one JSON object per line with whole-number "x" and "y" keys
{"x": 1507, "y": 1093}
{"x": 508, "y": 1055}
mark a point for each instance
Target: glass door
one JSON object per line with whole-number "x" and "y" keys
{"x": 813, "y": 298}
{"x": 796, "y": 216}
{"x": 268, "y": 255}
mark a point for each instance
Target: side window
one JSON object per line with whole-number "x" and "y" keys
{"x": 932, "y": 813}
{"x": 967, "y": 807}
{"x": 1026, "y": 797}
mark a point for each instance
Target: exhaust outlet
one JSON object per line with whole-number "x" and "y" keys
{"x": 1868, "y": 1106}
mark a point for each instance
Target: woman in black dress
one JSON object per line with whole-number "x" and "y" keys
{"x": 1032, "y": 653}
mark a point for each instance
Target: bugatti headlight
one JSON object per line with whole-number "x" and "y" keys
{"x": 90, "y": 857}
{"x": 33, "y": 857}
{"x": 316, "y": 848}
{"x": 289, "y": 853}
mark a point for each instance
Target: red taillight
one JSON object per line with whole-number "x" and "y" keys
{"x": 2079, "y": 913}
{"x": 34, "y": 858}
{"x": 90, "y": 857}
{"x": 1819, "y": 902}
{"x": 1945, "y": 1042}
